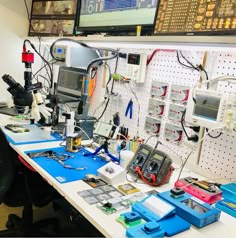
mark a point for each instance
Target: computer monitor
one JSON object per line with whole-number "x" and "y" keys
{"x": 116, "y": 16}
{"x": 70, "y": 84}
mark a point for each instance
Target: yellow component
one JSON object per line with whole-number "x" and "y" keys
{"x": 91, "y": 87}
{"x": 230, "y": 204}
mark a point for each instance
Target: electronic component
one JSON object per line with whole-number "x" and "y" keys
{"x": 176, "y": 192}
{"x": 191, "y": 209}
{"x": 112, "y": 173}
{"x": 228, "y": 204}
{"x": 59, "y": 51}
{"x": 173, "y": 133}
{"x": 203, "y": 190}
{"x": 139, "y": 158}
{"x": 175, "y": 112}
{"x": 152, "y": 125}
{"x": 128, "y": 188}
{"x": 157, "y": 169}
{"x": 136, "y": 67}
{"x": 149, "y": 229}
{"x": 106, "y": 130}
{"x": 212, "y": 109}
{"x": 179, "y": 93}
{"x": 153, "y": 208}
{"x": 195, "y": 17}
{"x": 159, "y": 89}
{"x": 16, "y": 128}
{"x": 113, "y": 205}
{"x": 156, "y": 108}
{"x": 70, "y": 84}
{"x": 152, "y": 166}
{"x": 170, "y": 226}
{"x": 129, "y": 219}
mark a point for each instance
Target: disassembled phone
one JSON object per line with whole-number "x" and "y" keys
{"x": 16, "y": 128}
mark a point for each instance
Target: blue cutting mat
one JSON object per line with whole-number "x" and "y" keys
{"x": 64, "y": 175}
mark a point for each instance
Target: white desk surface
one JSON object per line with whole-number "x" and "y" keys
{"x": 107, "y": 224}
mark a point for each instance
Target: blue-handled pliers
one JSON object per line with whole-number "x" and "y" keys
{"x": 129, "y": 109}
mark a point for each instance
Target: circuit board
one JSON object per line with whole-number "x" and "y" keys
{"x": 196, "y": 16}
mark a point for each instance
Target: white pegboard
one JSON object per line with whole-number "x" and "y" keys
{"x": 163, "y": 67}
{"x": 216, "y": 155}
{"x": 219, "y": 155}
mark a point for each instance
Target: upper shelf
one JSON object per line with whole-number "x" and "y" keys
{"x": 222, "y": 40}
{"x": 227, "y": 41}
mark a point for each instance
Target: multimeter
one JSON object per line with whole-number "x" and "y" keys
{"x": 157, "y": 165}
{"x": 140, "y": 158}
{"x": 152, "y": 166}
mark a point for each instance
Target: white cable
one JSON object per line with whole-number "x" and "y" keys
{"x": 83, "y": 132}
{"x": 222, "y": 78}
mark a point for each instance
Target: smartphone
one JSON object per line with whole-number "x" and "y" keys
{"x": 16, "y": 128}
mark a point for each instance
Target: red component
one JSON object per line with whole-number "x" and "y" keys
{"x": 153, "y": 177}
{"x": 202, "y": 194}
{"x": 27, "y": 57}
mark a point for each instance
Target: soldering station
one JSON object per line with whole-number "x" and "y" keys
{"x": 136, "y": 139}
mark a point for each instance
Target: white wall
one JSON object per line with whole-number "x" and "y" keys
{"x": 14, "y": 28}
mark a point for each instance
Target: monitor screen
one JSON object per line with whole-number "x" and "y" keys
{"x": 70, "y": 82}
{"x": 206, "y": 107}
{"x": 116, "y": 15}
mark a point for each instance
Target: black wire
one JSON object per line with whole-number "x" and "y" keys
{"x": 182, "y": 123}
{"x": 27, "y": 9}
{"x": 184, "y": 164}
{"x": 110, "y": 78}
{"x": 194, "y": 67}
{"x": 49, "y": 66}
{"x": 150, "y": 138}
{"x": 214, "y": 137}
{"x": 187, "y": 66}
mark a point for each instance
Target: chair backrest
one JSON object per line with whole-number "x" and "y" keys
{"x": 7, "y": 166}
{"x": 17, "y": 180}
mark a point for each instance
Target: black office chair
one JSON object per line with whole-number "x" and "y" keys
{"x": 19, "y": 186}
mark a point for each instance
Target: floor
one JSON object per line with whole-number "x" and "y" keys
{"x": 79, "y": 228}
{"x": 39, "y": 213}
{"x": 4, "y": 211}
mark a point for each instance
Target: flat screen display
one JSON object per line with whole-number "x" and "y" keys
{"x": 206, "y": 107}
{"x": 202, "y": 17}
{"x": 70, "y": 81}
{"x": 116, "y": 15}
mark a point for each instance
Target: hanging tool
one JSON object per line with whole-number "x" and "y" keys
{"x": 129, "y": 109}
